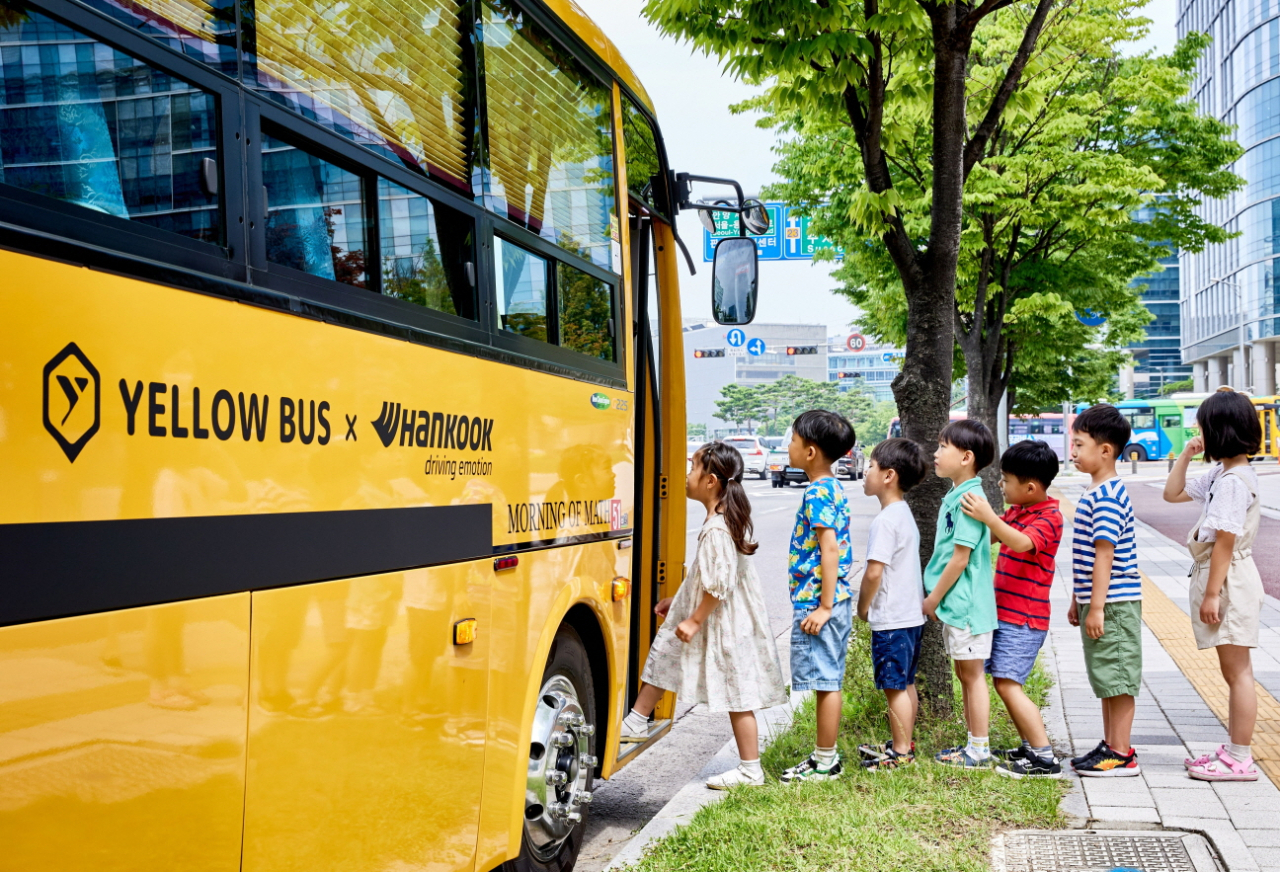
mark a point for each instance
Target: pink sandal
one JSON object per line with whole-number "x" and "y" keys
{"x": 1224, "y": 768}
{"x": 1203, "y": 758}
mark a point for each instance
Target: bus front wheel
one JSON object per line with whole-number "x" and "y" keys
{"x": 561, "y": 761}
{"x": 1136, "y": 452}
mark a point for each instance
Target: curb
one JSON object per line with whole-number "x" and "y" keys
{"x": 1074, "y": 806}
{"x": 681, "y": 808}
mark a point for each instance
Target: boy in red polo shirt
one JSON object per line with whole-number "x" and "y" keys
{"x": 1029, "y": 533}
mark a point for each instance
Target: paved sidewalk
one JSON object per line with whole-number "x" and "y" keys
{"x": 1175, "y": 718}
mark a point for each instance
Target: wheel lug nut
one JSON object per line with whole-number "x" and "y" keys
{"x": 587, "y": 760}
{"x": 562, "y": 740}
{"x": 587, "y": 729}
{"x": 583, "y": 797}
{"x": 555, "y": 777}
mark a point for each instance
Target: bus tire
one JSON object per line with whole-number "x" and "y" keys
{"x": 1136, "y": 452}
{"x": 561, "y": 761}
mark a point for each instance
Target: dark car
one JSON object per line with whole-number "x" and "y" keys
{"x": 853, "y": 465}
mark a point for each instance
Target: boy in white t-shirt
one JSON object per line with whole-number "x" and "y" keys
{"x": 891, "y": 595}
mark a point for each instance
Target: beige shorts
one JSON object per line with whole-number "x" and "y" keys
{"x": 1240, "y": 606}
{"x": 963, "y": 645}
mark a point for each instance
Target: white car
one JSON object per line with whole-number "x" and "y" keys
{"x": 755, "y": 456}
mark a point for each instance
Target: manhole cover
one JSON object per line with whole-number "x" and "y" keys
{"x": 1047, "y": 851}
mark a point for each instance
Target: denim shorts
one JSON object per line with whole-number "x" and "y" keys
{"x": 817, "y": 662}
{"x": 895, "y": 655}
{"x": 1013, "y": 651}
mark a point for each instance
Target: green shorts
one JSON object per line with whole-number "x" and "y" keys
{"x": 1114, "y": 662}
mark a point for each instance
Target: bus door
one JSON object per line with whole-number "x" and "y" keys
{"x": 1172, "y": 436}
{"x": 647, "y": 570}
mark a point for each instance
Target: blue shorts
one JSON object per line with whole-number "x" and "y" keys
{"x": 817, "y": 662}
{"x": 894, "y": 657}
{"x": 1013, "y": 651}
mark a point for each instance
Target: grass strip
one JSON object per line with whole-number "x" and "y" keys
{"x": 925, "y": 817}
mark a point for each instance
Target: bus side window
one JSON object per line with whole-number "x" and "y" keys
{"x": 585, "y": 306}
{"x": 89, "y": 125}
{"x": 550, "y": 137}
{"x": 315, "y": 214}
{"x": 522, "y": 290}
{"x": 427, "y": 251}
{"x": 1171, "y": 421}
{"x": 1144, "y": 419}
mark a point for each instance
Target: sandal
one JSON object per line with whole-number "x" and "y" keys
{"x": 1203, "y": 758}
{"x": 1223, "y": 768}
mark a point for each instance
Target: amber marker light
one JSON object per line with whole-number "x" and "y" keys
{"x": 464, "y": 631}
{"x": 621, "y": 588}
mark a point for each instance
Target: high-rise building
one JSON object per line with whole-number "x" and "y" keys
{"x": 1230, "y": 301}
{"x": 1158, "y": 358}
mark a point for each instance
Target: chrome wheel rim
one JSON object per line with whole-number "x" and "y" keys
{"x": 560, "y": 767}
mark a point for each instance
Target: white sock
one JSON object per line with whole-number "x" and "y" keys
{"x": 752, "y": 768}
{"x": 826, "y": 757}
{"x": 1242, "y": 753}
{"x": 636, "y": 722}
{"x": 1043, "y": 753}
{"x": 979, "y": 746}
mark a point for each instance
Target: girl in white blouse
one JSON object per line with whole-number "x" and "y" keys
{"x": 715, "y": 647}
{"x": 1226, "y": 590}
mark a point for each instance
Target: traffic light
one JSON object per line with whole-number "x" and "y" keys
{"x": 802, "y": 349}
{"x": 708, "y": 352}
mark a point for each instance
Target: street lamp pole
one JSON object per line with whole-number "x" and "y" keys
{"x": 1244, "y": 364}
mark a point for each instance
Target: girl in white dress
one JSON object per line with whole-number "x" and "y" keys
{"x": 715, "y": 647}
{"x": 1226, "y": 590}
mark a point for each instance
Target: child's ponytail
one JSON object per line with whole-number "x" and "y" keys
{"x": 725, "y": 463}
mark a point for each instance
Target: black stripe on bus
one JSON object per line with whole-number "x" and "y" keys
{"x": 80, "y": 567}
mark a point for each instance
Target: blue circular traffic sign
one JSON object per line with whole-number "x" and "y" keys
{"x": 735, "y": 337}
{"x": 755, "y": 347}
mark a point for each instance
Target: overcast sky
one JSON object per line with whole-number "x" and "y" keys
{"x": 692, "y": 99}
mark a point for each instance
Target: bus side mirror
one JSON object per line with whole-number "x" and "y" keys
{"x": 734, "y": 281}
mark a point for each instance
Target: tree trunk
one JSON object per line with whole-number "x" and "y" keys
{"x": 923, "y": 388}
{"x": 985, "y": 390}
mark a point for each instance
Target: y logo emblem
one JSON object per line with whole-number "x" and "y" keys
{"x": 72, "y": 400}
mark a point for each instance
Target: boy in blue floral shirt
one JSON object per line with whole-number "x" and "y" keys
{"x": 821, "y": 565}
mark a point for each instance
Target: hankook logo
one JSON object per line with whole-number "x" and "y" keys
{"x": 72, "y": 400}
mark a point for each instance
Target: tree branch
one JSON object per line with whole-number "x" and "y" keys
{"x": 978, "y": 142}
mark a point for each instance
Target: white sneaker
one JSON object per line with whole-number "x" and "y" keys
{"x": 628, "y": 735}
{"x": 733, "y": 778}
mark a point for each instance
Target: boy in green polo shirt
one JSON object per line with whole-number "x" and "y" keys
{"x": 959, "y": 583}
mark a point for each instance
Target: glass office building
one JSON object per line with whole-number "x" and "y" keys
{"x": 1158, "y": 358}
{"x": 1230, "y": 302}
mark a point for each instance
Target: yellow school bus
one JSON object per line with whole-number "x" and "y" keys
{"x": 341, "y": 460}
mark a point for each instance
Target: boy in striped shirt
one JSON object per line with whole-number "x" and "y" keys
{"x": 1107, "y": 605}
{"x": 1029, "y": 534}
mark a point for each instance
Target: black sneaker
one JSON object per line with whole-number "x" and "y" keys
{"x": 874, "y": 751}
{"x": 1098, "y": 749}
{"x": 1030, "y": 765}
{"x": 1006, "y": 754}
{"x": 1109, "y": 764}
{"x": 891, "y": 760}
